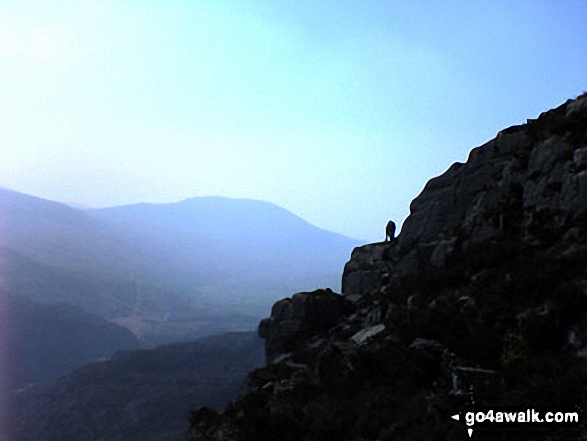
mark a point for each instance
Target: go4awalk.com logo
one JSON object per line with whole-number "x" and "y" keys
{"x": 519, "y": 419}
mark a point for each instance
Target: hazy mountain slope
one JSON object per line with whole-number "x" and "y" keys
{"x": 169, "y": 272}
{"x": 100, "y": 292}
{"x": 52, "y": 253}
{"x": 41, "y": 342}
{"x": 56, "y": 234}
{"x": 154, "y": 314}
{"x": 142, "y": 395}
{"x": 236, "y": 247}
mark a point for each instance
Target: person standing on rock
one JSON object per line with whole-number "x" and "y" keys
{"x": 390, "y": 232}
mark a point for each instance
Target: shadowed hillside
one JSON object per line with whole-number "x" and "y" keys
{"x": 41, "y": 342}
{"x": 142, "y": 395}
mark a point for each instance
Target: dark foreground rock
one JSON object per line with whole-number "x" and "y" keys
{"x": 482, "y": 300}
{"x": 294, "y": 320}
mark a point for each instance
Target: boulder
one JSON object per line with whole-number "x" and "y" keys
{"x": 294, "y": 320}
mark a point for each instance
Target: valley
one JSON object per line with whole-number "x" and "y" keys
{"x": 79, "y": 286}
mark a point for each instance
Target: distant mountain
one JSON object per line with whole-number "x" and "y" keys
{"x": 241, "y": 249}
{"x": 58, "y": 235}
{"x": 142, "y": 395}
{"x": 168, "y": 272}
{"x": 51, "y": 252}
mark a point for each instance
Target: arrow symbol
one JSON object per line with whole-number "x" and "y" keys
{"x": 455, "y": 417}
{"x": 470, "y": 432}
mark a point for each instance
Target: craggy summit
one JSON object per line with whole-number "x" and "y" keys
{"x": 483, "y": 298}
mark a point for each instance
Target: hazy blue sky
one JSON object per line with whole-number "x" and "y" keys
{"x": 339, "y": 111}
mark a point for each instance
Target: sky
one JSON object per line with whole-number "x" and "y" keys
{"x": 339, "y": 111}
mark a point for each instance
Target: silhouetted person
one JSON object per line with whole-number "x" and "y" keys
{"x": 390, "y": 231}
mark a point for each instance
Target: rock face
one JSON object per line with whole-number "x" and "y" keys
{"x": 483, "y": 298}
{"x": 529, "y": 182}
{"x": 295, "y": 319}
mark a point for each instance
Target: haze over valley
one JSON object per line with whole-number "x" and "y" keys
{"x": 78, "y": 285}
{"x": 186, "y": 183}
{"x": 167, "y": 272}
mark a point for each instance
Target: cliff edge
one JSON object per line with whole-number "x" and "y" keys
{"x": 483, "y": 299}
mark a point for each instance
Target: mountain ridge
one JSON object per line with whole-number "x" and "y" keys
{"x": 155, "y": 268}
{"x": 259, "y": 237}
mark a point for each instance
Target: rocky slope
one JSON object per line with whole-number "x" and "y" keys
{"x": 483, "y": 299}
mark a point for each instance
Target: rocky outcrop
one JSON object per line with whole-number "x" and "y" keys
{"x": 530, "y": 182}
{"x": 294, "y": 320}
{"x": 511, "y": 185}
{"x": 483, "y": 298}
